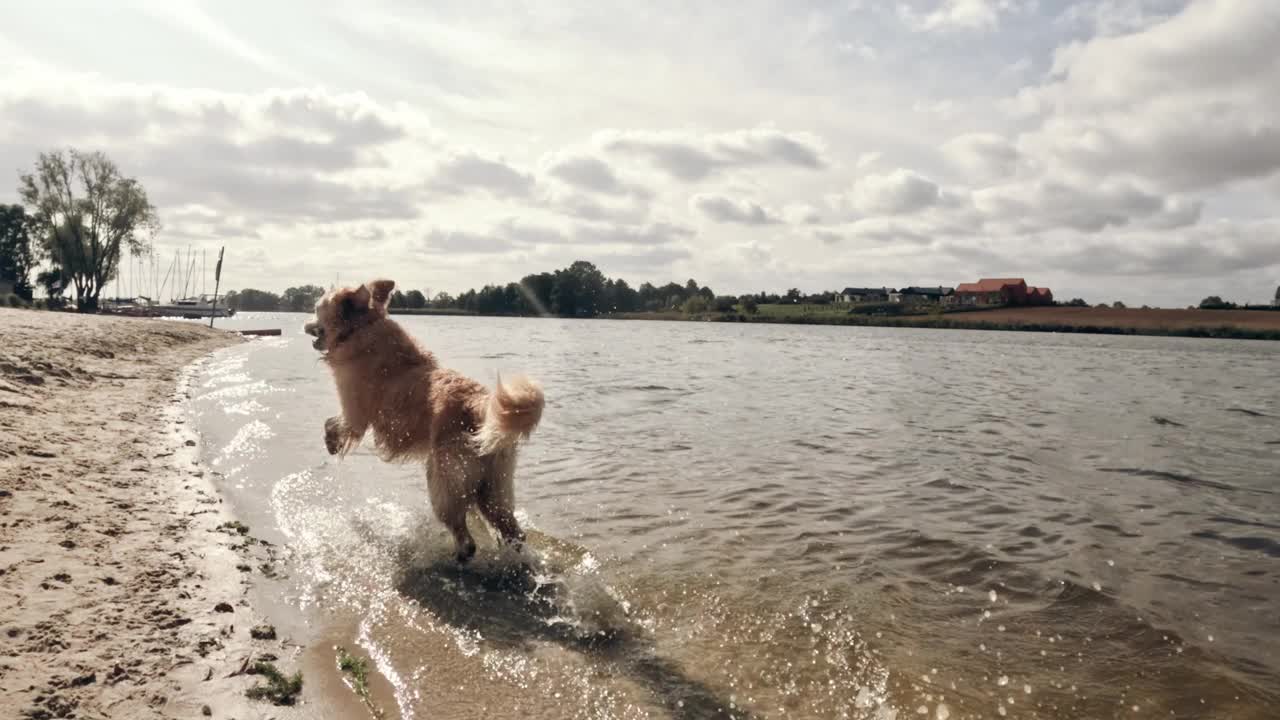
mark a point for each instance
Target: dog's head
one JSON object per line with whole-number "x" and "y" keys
{"x": 342, "y": 312}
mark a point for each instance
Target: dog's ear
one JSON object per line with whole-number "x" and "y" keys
{"x": 381, "y": 290}
{"x": 360, "y": 298}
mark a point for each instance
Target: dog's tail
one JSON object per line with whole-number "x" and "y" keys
{"x": 511, "y": 415}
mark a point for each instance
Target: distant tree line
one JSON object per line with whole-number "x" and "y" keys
{"x": 295, "y": 299}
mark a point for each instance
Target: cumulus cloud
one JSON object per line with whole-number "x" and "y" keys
{"x": 462, "y": 242}
{"x": 691, "y": 157}
{"x": 468, "y": 171}
{"x": 897, "y": 193}
{"x": 982, "y": 156}
{"x": 1214, "y": 249}
{"x": 721, "y": 208}
{"x": 1187, "y": 103}
{"x": 585, "y": 172}
{"x": 651, "y": 234}
{"x": 279, "y": 155}
{"x": 1047, "y": 204}
{"x": 958, "y": 15}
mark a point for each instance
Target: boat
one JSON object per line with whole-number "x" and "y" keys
{"x": 196, "y": 308}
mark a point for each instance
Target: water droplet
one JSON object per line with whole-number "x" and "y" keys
{"x": 1111, "y": 563}
{"x": 1004, "y": 680}
{"x": 992, "y": 596}
{"x": 1000, "y": 628}
{"x": 942, "y": 712}
{"x": 1097, "y": 586}
{"x": 1026, "y": 689}
{"x": 1002, "y": 711}
{"x": 1210, "y": 638}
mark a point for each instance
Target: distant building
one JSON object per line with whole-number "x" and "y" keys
{"x": 991, "y": 291}
{"x": 863, "y": 295}
{"x": 1039, "y": 296}
{"x": 1276, "y": 302}
{"x": 920, "y": 295}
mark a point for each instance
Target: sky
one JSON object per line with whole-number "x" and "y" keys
{"x": 1109, "y": 149}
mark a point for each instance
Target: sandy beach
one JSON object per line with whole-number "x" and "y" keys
{"x": 123, "y": 594}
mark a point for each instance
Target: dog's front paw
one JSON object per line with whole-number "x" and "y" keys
{"x": 333, "y": 435}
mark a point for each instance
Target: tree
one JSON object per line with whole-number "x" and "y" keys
{"x": 253, "y": 300}
{"x": 16, "y": 260}
{"x": 415, "y": 299}
{"x": 1118, "y": 305}
{"x": 749, "y": 305}
{"x": 724, "y": 303}
{"x": 442, "y": 300}
{"x": 54, "y": 286}
{"x": 1077, "y": 302}
{"x": 694, "y": 305}
{"x": 578, "y": 290}
{"x": 86, "y": 214}
{"x": 397, "y": 300}
{"x": 1213, "y": 302}
{"x": 793, "y": 296}
{"x": 302, "y": 299}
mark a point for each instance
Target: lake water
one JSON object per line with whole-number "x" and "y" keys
{"x": 810, "y": 522}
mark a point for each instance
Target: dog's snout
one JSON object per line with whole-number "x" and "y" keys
{"x": 312, "y": 328}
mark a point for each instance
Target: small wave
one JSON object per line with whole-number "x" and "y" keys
{"x": 1246, "y": 411}
{"x": 1165, "y": 421}
{"x": 1266, "y": 546}
{"x": 1172, "y": 477}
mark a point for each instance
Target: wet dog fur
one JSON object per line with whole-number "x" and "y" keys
{"x": 464, "y": 433}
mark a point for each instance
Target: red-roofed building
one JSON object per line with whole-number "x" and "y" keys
{"x": 1039, "y": 296}
{"x": 991, "y": 291}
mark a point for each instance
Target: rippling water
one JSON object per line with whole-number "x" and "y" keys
{"x": 771, "y": 521}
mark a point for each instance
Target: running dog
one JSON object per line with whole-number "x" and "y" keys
{"x": 465, "y": 434}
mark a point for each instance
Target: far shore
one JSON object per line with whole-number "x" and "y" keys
{"x": 1233, "y": 324}
{"x": 1224, "y": 324}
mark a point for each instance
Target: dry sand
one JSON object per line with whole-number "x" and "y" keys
{"x": 111, "y": 556}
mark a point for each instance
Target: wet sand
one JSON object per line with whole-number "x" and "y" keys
{"x": 120, "y": 594}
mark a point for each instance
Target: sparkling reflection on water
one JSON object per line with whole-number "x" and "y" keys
{"x": 768, "y": 522}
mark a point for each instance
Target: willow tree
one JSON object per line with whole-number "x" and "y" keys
{"x": 86, "y": 214}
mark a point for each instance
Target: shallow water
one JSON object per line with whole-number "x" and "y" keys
{"x": 772, "y": 521}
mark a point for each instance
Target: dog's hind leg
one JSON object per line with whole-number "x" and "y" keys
{"x": 451, "y": 497}
{"x": 497, "y": 496}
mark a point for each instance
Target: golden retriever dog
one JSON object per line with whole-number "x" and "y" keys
{"x": 465, "y": 434}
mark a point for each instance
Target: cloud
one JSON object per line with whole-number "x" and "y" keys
{"x": 727, "y": 210}
{"x": 950, "y": 15}
{"x": 1047, "y": 204}
{"x": 1210, "y": 250}
{"x": 585, "y": 172}
{"x": 467, "y": 171}
{"x": 1186, "y": 103}
{"x": 982, "y": 156}
{"x": 462, "y": 242}
{"x": 691, "y": 157}
{"x": 652, "y": 234}
{"x": 277, "y": 155}
{"x": 801, "y": 214}
{"x": 897, "y": 193}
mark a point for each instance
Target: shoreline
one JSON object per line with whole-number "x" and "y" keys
{"x": 123, "y": 590}
{"x": 1236, "y": 324}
